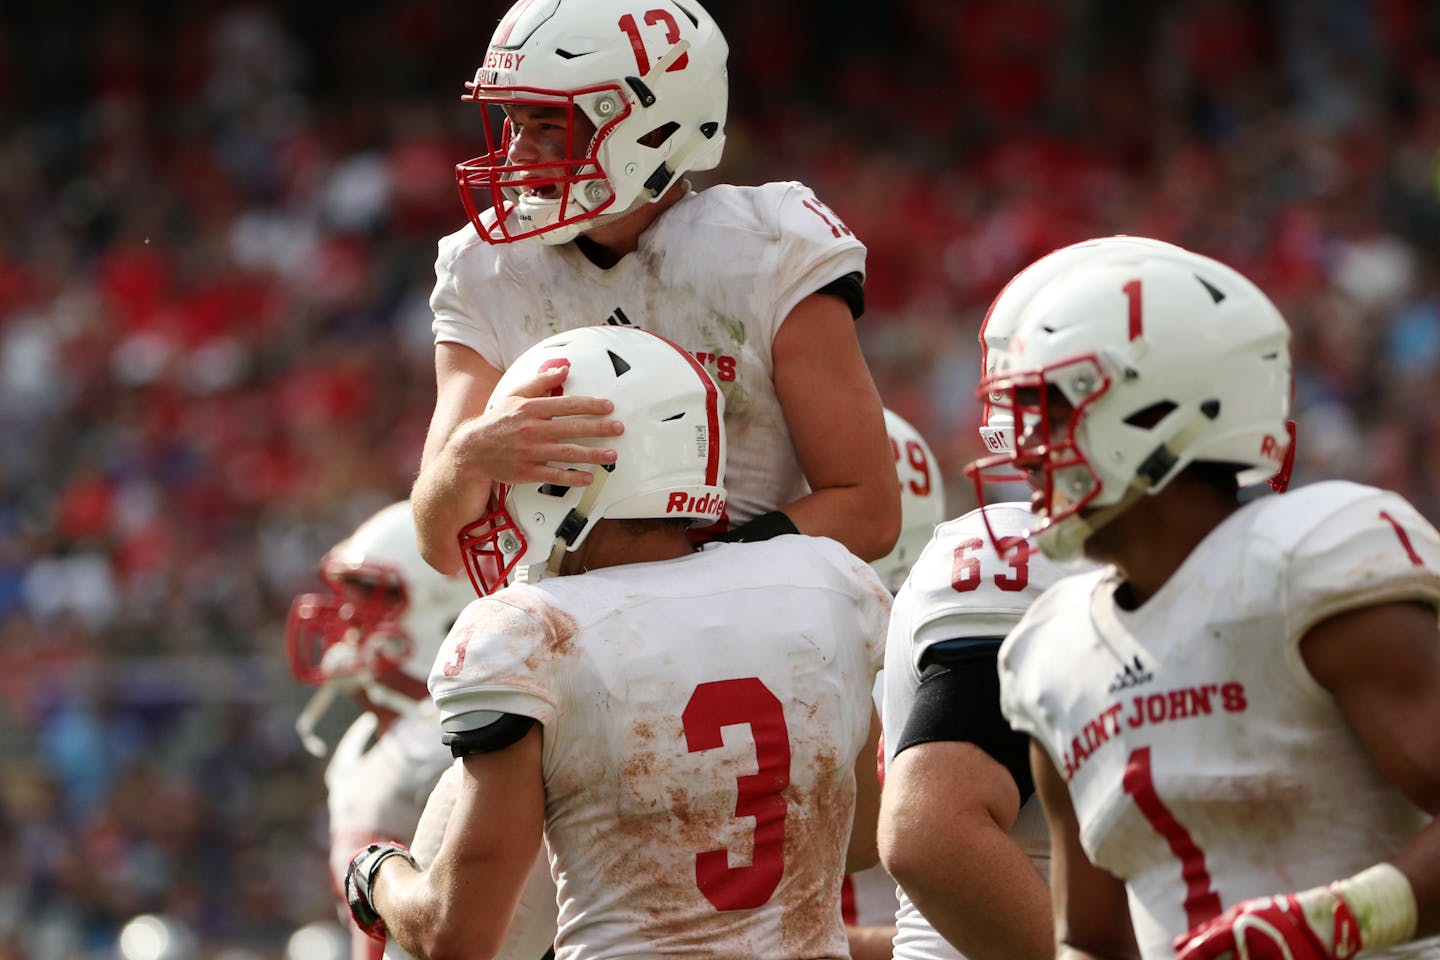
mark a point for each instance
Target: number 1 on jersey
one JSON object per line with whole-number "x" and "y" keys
{"x": 1202, "y": 903}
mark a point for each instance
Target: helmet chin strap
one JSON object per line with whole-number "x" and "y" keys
{"x": 382, "y": 696}
{"x": 309, "y": 716}
{"x": 578, "y": 516}
{"x": 1156, "y": 470}
{"x": 1069, "y": 543}
{"x": 316, "y": 707}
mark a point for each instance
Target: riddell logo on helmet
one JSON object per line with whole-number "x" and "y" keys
{"x": 709, "y": 505}
{"x": 1271, "y": 448}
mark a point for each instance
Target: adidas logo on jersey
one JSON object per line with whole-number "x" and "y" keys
{"x": 618, "y": 319}
{"x": 1133, "y": 674}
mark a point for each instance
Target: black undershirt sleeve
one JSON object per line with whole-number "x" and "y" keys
{"x": 959, "y": 700}
{"x": 767, "y": 526}
{"x": 849, "y": 288}
{"x": 509, "y": 729}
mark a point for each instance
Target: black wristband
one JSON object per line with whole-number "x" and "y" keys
{"x": 360, "y": 880}
{"x": 764, "y": 527}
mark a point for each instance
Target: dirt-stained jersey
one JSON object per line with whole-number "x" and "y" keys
{"x": 717, "y": 274}
{"x": 960, "y": 587}
{"x": 1206, "y": 765}
{"x": 701, "y": 718}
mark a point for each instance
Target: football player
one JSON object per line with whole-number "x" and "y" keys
{"x": 869, "y": 897}
{"x": 960, "y": 827}
{"x": 373, "y": 634}
{"x": 1235, "y": 721}
{"x": 581, "y": 213}
{"x": 691, "y": 730}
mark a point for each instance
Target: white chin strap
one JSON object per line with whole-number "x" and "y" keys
{"x": 582, "y": 510}
{"x": 1065, "y": 541}
{"x": 572, "y": 230}
{"x": 319, "y": 703}
{"x": 310, "y": 716}
{"x": 382, "y": 696}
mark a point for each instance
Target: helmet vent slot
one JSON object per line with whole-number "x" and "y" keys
{"x": 673, "y": 416}
{"x": 553, "y": 490}
{"x": 1150, "y": 415}
{"x": 656, "y": 138}
{"x": 692, "y": 18}
{"x": 618, "y": 363}
{"x": 1210, "y": 288}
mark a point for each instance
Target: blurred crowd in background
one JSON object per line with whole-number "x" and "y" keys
{"x": 217, "y": 229}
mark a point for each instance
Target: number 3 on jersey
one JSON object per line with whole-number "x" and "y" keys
{"x": 966, "y": 573}
{"x": 760, "y": 795}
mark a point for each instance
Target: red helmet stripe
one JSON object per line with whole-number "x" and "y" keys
{"x": 507, "y": 25}
{"x": 712, "y": 412}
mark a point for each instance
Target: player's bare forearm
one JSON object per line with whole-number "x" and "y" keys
{"x": 856, "y": 516}
{"x": 1066, "y": 952}
{"x": 1004, "y": 916}
{"x": 863, "y": 851}
{"x": 402, "y": 895}
{"x": 946, "y": 812}
{"x": 444, "y": 500}
{"x": 838, "y": 428}
{"x": 871, "y": 943}
{"x": 1090, "y": 906}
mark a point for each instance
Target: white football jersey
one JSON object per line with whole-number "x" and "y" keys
{"x": 716, "y": 274}
{"x": 1205, "y": 763}
{"x": 376, "y": 787}
{"x": 960, "y": 587}
{"x": 702, "y": 717}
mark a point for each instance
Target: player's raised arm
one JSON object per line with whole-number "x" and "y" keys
{"x": 837, "y": 424}
{"x": 471, "y": 445}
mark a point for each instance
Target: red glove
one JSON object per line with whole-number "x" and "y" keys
{"x": 1273, "y": 928}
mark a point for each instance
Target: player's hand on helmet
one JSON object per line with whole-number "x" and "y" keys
{"x": 1268, "y": 928}
{"x": 520, "y": 435}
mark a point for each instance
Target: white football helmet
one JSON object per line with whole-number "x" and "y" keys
{"x": 379, "y": 626}
{"x": 997, "y": 426}
{"x": 1166, "y": 358}
{"x": 922, "y": 499}
{"x": 650, "y": 77}
{"x": 670, "y": 459}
